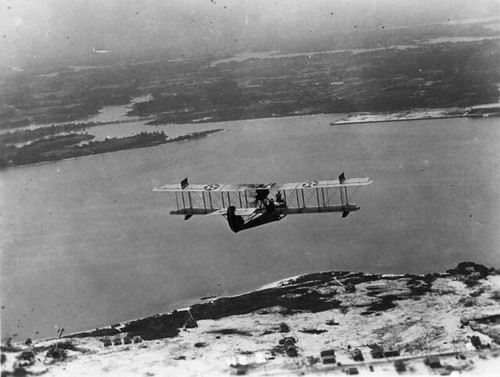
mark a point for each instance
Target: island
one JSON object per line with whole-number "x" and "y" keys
{"x": 59, "y": 147}
{"x": 335, "y": 322}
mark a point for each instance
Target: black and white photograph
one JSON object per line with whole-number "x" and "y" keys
{"x": 249, "y": 187}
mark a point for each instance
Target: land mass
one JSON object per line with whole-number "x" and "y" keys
{"x": 435, "y": 66}
{"x": 421, "y": 114}
{"x": 61, "y": 147}
{"x": 389, "y": 73}
{"x": 329, "y": 322}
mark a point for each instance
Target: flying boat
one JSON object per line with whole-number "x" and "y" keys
{"x": 247, "y": 205}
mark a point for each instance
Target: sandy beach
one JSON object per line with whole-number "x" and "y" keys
{"x": 420, "y": 324}
{"x": 418, "y": 114}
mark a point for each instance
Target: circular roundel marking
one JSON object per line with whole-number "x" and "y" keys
{"x": 309, "y": 184}
{"x": 211, "y": 187}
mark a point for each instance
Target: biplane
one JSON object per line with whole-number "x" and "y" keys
{"x": 246, "y": 206}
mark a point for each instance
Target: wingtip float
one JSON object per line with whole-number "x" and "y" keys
{"x": 246, "y": 206}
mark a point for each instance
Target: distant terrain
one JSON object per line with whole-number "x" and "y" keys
{"x": 58, "y": 147}
{"x": 328, "y": 322}
{"x": 439, "y": 66}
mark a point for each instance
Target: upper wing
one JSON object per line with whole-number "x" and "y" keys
{"x": 214, "y": 187}
{"x": 241, "y": 187}
{"x": 325, "y": 184}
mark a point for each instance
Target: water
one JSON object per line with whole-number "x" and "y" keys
{"x": 276, "y": 55}
{"x": 458, "y": 39}
{"x": 86, "y": 243}
{"x": 106, "y": 114}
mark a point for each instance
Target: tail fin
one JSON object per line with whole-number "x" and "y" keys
{"x": 184, "y": 183}
{"x": 342, "y": 177}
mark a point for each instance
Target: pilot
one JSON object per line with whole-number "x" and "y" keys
{"x": 261, "y": 196}
{"x": 279, "y": 199}
{"x": 269, "y": 205}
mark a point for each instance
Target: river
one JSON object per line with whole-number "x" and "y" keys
{"x": 86, "y": 242}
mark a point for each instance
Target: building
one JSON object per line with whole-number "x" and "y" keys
{"x": 389, "y": 351}
{"x": 433, "y": 362}
{"x": 328, "y": 357}
{"x": 357, "y": 355}
{"x": 377, "y": 352}
{"x": 26, "y": 358}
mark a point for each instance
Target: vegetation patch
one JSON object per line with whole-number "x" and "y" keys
{"x": 69, "y": 146}
{"x": 313, "y": 331}
{"x": 420, "y": 285}
{"x": 230, "y": 332}
{"x": 384, "y": 304}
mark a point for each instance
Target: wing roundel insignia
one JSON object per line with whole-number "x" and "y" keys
{"x": 309, "y": 184}
{"x": 211, "y": 187}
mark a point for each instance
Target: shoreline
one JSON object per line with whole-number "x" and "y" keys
{"x": 179, "y": 139}
{"x": 290, "y": 326}
{"x": 277, "y": 285}
{"x": 353, "y": 118}
{"x": 405, "y": 116}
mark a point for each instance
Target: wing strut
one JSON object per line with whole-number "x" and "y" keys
{"x": 184, "y": 184}
{"x": 344, "y": 200}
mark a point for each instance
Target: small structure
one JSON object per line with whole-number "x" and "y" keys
{"x": 352, "y": 371}
{"x": 327, "y": 353}
{"x": 288, "y": 344}
{"x": 433, "y": 362}
{"x": 331, "y": 322}
{"x": 241, "y": 370}
{"x": 291, "y": 350}
{"x": 475, "y": 275}
{"x": 476, "y": 342}
{"x": 127, "y": 340}
{"x": 390, "y": 351}
{"x": 400, "y": 366}
{"x": 356, "y": 354}
{"x": 26, "y": 358}
{"x": 377, "y": 352}
{"x": 56, "y": 354}
{"x": 350, "y": 287}
{"x": 328, "y": 357}
{"x": 284, "y": 327}
{"x": 288, "y": 341}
